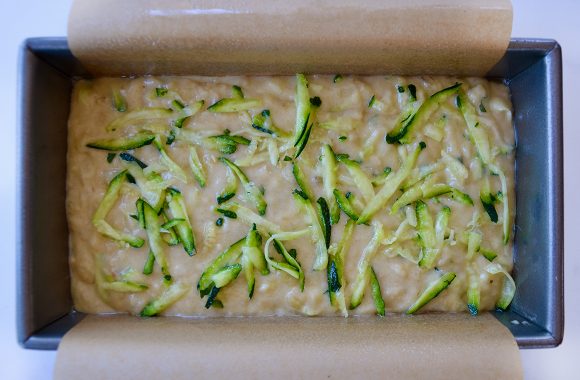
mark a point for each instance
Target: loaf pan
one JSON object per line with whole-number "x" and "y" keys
{"x": 47, "y": 71}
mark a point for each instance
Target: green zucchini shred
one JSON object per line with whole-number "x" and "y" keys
{"x": 403, "y": 131}
{"x": 345, "y": 205}
{"x": 426, "y": 236}
{"x": 291, "y": 266}
{"x": 153, "y": 230}
{"x": 474, "y": 240}
{"x": 227, "y": 213}
{"x": 363, "y": 276}
{"x": 119, "y": 101}
{"x": 107, "y": 283}
{"x": 315, "y": 103}
{"x": 264, "y": 123}
{"x": 380, "y": 179}
{"x": 161, "y": 91}
{"x": 509, "y": 286}
{"x": 139, "y": 116}
{"x": 412, "y": 92}
{"x": 482, "y": 107}
{"x": 424, "y": 191}
{"x": 173, "y": 168}
{"x": 252, "y": 192}
{"x": 197, "y": 168}
{"x": 473, "y": 290}
{"x": 334, "y": 284}
{"x": 301, "y": 180}
{"x": 324, "y": 219}
{"x": 488, "y": 200}
{"x": 477, "y": 133}
{"x": 237, "y": 92}
{"x": 230, "y": 189}
{"x": 138, "y": 140}
{"x": 151, "y": 186}
{"x": 376, "y": 293}
{"x": 228, "y": 105}
{"x": 225, "y": 144}
{"x": 504, "y": 199}
{"x": 336, "y": 261}
{"x": 390, "y": 186}
{"x": 305, "y": 114}
{"x": 230, "y": 255}
{"x": 179, "y": 212}
{"x": 432, "y": 291}
{"x": 171, "y": 295}
{"x": 168, "y": 230}
{"x": 249, "y": 217}
{"x": 302, "y": 101}
{"x": 130, "y": 158}
{"x": 488, "y": 254}
{"x": 226, "y": 275}
{"x": 329, "y": 180}
{"x": 361, "y": 180}
{"x": 318, "y": 236}
{"x": 107, "y": 203}
{"x": 149, "y": 263}
{"x": 291, "y": 261}
{"x": 124, "y": 287}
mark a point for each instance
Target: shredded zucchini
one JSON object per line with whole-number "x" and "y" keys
{"x": 509, "y": 285}
{"x": 230, "y": 189}
{"x": 119, "y": 101}
{"x": 174, "y": 169}
{"x": 427, "y": 236}
{"x": 153, "y": 229}
{"x": 376, "y": 293}
{"x": 359, "y": 177}
{"x": 291, "y": 267}
{"x": 473, "y": 290}
{"x": 305, "y": 114}
{"x": 390, "y": 186}
{"x": 329, "y": 169}
{"x": 123, "y": 143}
{"x": 227, "y": 257}
{"x": 109, "y": 200}
{"x": 403, "y": 131}
{"x": 301, "y": 180}
{"x": 252, "y": 192}
{"x": 424, "y": 191}
{"x": 321, "y": 258}
{"x": 506, "y": 210}
{"x": 183, "y": 228}
{"x": 234, "y": 105}
{"x": 432, "y": 291}
{"x": 173, "y": 294}
{"x": 335, "y": 270}
{"x": 196, "y": 167}
{"x": 251, "y": 218}
{"x": 363, "y": 276}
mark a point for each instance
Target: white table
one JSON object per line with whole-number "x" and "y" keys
{"x": 533, "y": 18}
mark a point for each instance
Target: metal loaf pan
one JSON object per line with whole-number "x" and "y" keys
{"x": 531, "y": 68}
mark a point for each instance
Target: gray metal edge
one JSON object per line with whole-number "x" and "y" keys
{"x": 22, "y": 260}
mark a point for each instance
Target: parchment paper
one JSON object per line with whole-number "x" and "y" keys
{"x": 461, "y": 37}
{"x": 442, "y": 346}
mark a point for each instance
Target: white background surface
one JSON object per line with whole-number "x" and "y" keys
{"x": 34, "y": 18}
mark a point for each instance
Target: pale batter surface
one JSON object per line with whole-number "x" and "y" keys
{"x": 347, "y": 122}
